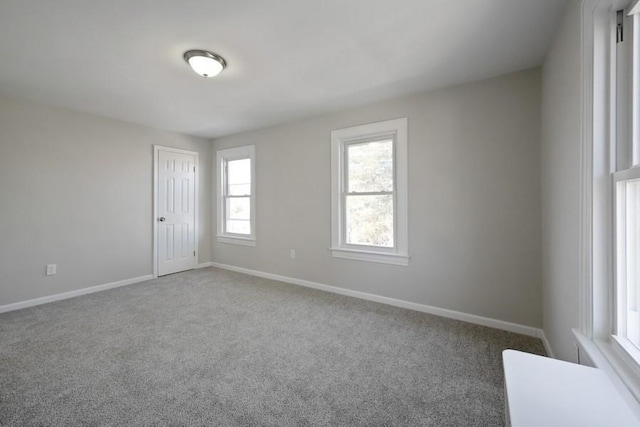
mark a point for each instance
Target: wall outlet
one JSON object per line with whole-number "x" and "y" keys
{"x": 292, "y": 254}
{"x": 51, "y": 269}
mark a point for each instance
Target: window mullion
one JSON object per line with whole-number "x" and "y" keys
{"x": 369, "y": 193}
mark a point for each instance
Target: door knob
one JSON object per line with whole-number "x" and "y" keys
{"x": 162, "y": 219}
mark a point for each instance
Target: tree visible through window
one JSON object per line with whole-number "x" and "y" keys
{"x": 369, "y": 195}
{"x": 369, "y": 192}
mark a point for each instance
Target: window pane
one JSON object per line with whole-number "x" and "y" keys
{"x": 239, "y": 189}
{"x": 632, "y": 233}
{"x": 238, "y": 208}
{"x": 370, "y": 166}
{"x": 239, "y": 177}
{"x": 238, "y": 226}
{"x": 370, "y": 220}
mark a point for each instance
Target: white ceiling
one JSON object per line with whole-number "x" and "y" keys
{"x": 287, "y": 59}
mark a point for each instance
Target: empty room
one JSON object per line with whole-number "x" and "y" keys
{"x": 320, "y": 213}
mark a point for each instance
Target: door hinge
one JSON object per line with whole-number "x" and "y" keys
{"x": 194, "y": 168}
{"x": 194, "y": 253}
{"x": 620, "y": 26}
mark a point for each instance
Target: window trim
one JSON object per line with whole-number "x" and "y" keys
{"x": 222, "y": 157}
{"x": 596, "y": 335}
{"x": 390, "y": 129}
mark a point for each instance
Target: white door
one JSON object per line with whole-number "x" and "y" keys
{"x": 175, "y": 210}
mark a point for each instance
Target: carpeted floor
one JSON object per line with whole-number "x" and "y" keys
{"x": 215, "y": 348}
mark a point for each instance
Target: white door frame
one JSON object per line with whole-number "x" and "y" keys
{"x": 154, "y": 219}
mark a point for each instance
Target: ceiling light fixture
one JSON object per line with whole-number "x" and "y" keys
{"x": 205, "y": 63}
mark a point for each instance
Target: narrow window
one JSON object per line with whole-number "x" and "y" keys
{"x": 236, "y": 195}
{"x": 626, "y": 179}
{"x": 609, "y": 331}
{"x": 369, "y": 192}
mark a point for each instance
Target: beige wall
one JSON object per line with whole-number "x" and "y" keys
{"x": 561, "y": 184}
{"x": 77, "y": 191}
{"x": 474, "y": 201}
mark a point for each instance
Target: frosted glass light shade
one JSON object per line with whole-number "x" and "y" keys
{"x": 205, "y": 63}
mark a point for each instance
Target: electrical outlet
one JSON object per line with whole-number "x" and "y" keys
{"x": 51, "y": 269}
{"x": 292, "y": 254}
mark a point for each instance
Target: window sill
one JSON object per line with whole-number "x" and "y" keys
{"x": 243, "y": 241}
{"x": 383, "y": 258}
{"x": 628, "y": 353}
{"x": 603, "y": 355}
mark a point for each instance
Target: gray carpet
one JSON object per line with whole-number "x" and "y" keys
{"x": 211, "y": 347}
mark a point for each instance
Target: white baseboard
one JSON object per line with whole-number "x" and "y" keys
{"x": 71, "y": 294}
{"x": 547, "y": 344}
{"x": 443, "y": 312}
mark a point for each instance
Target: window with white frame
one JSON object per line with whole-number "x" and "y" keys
{"x": 609, "y": 330}
{"x": 236, "y": 195}
{"x": 369, "y": 192}
{"x": 626, "y": 184}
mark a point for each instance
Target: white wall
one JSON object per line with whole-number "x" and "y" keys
{"x": 474, "y": 201}
{"x": 561, "y": 184}
{"x": 76, "y": 190}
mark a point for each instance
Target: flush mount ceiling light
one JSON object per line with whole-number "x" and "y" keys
{"x": 205, "y": 63}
